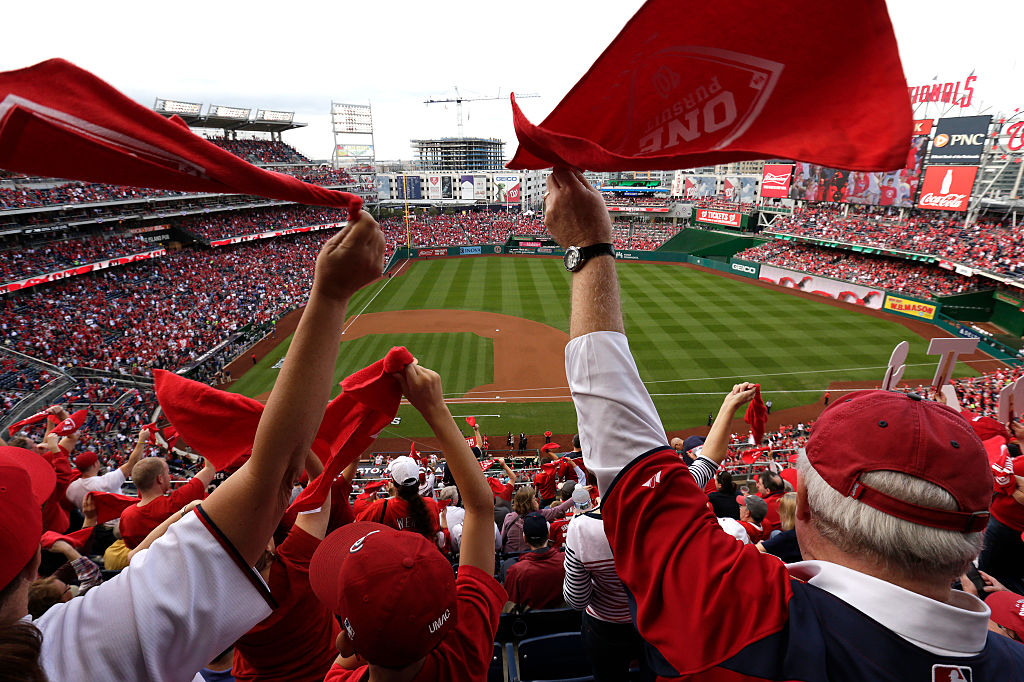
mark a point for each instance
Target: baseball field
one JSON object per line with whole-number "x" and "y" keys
{"x": 495, "y": 328}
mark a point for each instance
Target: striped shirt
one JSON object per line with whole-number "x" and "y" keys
{"x": 591, "y": 582}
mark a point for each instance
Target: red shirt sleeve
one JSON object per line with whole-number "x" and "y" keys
{"x": 193, "y": 490}
{"x": 681, "y": 567}
{"x": 297, "y": 549}
{"x": 467, "y": 654}
{"x": 371, "y": 513}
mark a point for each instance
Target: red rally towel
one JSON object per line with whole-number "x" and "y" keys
{"x": 222, "y": 425}
{"x": 371, "y": 488}
{"x": 71, "y": 424}
{"x": 76, "y": 539}
{"x": 696, "y": 84}
{"x": 57, "y": 120}
{"x": 485, "y": 464}
{"x": 756, "y": 415}
{"x": 986, "y": 427}
{"x": 218, "y": 425}
{"x": 750, "y": 456}
{"x": 471, "y": 421}
{"x": 110, "y": 505}
{"x": 37, "y": 417}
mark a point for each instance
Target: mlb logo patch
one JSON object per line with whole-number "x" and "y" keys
{"x": 952, "y": 673}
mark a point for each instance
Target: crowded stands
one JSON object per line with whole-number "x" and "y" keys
{"x": 33, "y": 259}
{"x": 888, "y": 273}
{"x": 261, "y": 151}
{"x": 987, "y": 244}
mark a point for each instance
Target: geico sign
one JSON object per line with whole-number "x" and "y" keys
{"x": 744, "y": 268}
{"x": 942, "y": 139}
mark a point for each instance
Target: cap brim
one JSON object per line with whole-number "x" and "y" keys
{"x": 41, "y": 475}
{"x": 330, "y": 555}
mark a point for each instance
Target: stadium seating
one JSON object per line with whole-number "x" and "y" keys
{"x": 550, "y": 657}
{"x": 986, "y": 244}
{"x": 25, "y": 260}
{"x": 895, "y": 274}
{"x": 259, "y": 151}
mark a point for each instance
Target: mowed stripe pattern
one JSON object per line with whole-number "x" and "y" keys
{"x": 691, "y": 332}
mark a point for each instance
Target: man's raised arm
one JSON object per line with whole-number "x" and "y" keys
{"x": 617, "y": 418}
{"x": 249, "y": 504}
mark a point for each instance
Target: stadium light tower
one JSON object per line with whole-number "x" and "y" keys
{"x": 459, "y": 99}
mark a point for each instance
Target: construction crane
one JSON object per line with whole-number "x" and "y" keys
{"x": 459, "y": 99}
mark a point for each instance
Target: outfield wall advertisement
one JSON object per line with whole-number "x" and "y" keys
{"x": 433, "y": 187}
{"x": 79, "y": 270}
{"x": 823, "y": 286}
{"x": 466, "y": 186}
{"x": 910, "y": 307}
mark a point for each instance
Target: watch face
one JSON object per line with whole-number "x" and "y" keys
{"x": 572, "y": 258}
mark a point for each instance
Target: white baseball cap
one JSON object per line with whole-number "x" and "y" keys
{"x": 404, "y": 471}
{"x": 581, "y": 497}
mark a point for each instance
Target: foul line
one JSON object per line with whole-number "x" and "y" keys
{"x": 733, "y": 376}
{"x": 390, "y": 280}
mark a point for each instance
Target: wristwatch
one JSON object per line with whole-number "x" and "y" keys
{"x": 576, "y": 257}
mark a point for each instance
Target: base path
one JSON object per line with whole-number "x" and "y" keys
{"x": 526, "y": 353}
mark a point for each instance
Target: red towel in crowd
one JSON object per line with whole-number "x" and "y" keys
{"x": 37, "y": 417}
{"x": 72, "y": 423}
{"x": 110, "y": 505}
{"x": 76, "y": 539}
{"x": 689, "y": 84}
{"x": 757, "y": 415}
{"x": 222, "y": 426}
{"x": 59, "y": 121}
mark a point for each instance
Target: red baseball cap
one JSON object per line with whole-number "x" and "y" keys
{"x": 1007, "y": 609}
{"x": 86, "y": 460}
{"x": 886, "y": 431}
{"x": 26, "y": 482}
{"x": 394, "y": 591}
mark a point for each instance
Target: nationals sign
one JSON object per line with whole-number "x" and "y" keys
{"x": 718, "y": 217}
{"x": 947, "y": 188}
{"x": 775, "y": 180}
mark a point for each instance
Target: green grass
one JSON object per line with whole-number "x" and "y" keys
{"x": 693, "y": 334}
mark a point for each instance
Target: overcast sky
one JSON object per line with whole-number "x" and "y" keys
{"x": 300, "y": 55}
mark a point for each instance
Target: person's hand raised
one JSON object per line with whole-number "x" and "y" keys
{"x": 740, "y": 395}
{"x": 422, "y": 387}
{"x": 350, "y": 260}
{"x": 574, "y": 212}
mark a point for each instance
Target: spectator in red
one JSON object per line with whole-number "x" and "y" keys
{"x": 546, "y": 482}
{"x": 445, "y": 626}
{"x": 297, "y": 641}
{"x": 405, "y": 508}
{"x": 1002, "y": 555}
{"x": 770, "y": 488}
{"x": 535, "y": 581}
{"x": 153, "y": 479}
{"x": 752, "y": 511}
{"x": 893, "y": 492}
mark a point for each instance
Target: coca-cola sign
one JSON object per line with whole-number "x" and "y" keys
{"x": 947, "y": 188}
{"x": 775, "y": 180}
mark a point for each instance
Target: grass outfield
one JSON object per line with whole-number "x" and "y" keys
{"x": 694, "y": 335}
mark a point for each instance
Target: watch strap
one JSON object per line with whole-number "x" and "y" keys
{"x": 594, "y": 250}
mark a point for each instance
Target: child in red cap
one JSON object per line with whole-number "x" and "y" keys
{"x": 424, "y": 622}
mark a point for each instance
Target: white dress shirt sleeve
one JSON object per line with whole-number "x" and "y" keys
{"x": 617, "y": 418}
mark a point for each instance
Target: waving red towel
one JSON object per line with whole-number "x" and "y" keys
{"x": 60, "y": 121}
{"x": 222, "y": 426}
{"x": 37, "y": 417}
{"x": 76, "y": 539}
{"x": 110, "y": 505}
{"x": 689, "y": 84}
{"x": 72, "y": 423}
{"x": 757, "y": 415}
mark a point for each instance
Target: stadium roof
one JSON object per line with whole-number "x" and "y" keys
{"x": 228, "y": 118}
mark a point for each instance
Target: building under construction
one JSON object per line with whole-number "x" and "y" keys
{"x": 459, "y": 153}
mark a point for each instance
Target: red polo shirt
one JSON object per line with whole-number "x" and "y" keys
{"x": 138, "y": 521}
{"x": 536, "y": 579}
{"x": 465, "y": 653}
{"x": 297, "y": 641}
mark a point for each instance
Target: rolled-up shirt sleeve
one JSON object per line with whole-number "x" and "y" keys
{"x": 616, "y": 416}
